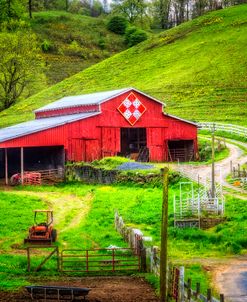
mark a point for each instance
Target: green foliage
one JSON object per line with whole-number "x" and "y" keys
{"x": 110, "y": 162}
{"x": 205, "y": 150}
{"x": 198, "y": 69}
{"x": 130, "y": 9}
{"x": 11, "y": 9}
{"x": 117, "y": 24}
{"x": 86, "y": 7}
{"x": 46, "y": 45}
{"x": 20, "y": 65}
{"x": 134, "y": 36}
{"x": 75, "y": 42}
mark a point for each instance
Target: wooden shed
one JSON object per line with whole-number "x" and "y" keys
{"x": 86, "y": 127}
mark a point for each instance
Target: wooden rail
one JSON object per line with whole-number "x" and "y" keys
{"x": 230, "y": 128}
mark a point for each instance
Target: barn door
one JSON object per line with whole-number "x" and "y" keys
{"x": 155, "y": 143}
{"x": 76, "y": 150}
{"x": 110, "y": 141}
{"x": 92, "y": 150}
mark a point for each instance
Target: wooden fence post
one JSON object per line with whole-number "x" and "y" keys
{"x": 222, "y": 298}
{"x": 209, "y": 295}
{"x": 143, "y": 255}
{"x": 198, "y": 289}
{"x": 189, "y": 290}
{"x": 58, "y": 260}
{"x": 163, "y": 245}
{"x": 181, "y": 284}
{"x": 28, "y": 259}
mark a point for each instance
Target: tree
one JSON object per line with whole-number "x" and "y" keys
{"x": 117, "y": 24}
{"x": 164, "y": 10}
{"x": 11, "y": 9}
{"x": 20, "y": 65}
{"x": 131, "y": 9}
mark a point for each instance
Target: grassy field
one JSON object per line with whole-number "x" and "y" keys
{"x": 84, "y": 217}
{"x": 198, "y": 69}
{"x": 73, "y": 42}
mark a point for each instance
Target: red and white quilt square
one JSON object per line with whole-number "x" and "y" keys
{"x": 132, "y": 108}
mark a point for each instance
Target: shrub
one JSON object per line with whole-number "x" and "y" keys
{"x": 46, "y": 46}
{"x": 117, "y": 24}
{"x": 134, "y": 36}
{"x": 102, "y": 43}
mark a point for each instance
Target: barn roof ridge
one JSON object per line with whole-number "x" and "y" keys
{"x": 38, "y": 125}
{"x": 97, "y": 98}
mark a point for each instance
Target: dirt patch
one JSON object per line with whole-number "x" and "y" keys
{"x": 103, "y": 289}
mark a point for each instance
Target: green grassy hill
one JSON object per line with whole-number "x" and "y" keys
{"x": 199, "y": 69}
{"x": 72, "y": 42}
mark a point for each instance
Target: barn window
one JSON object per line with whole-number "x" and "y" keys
{"x": 182, "y": 150}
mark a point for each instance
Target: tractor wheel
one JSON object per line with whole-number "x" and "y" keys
{"x": 54, "y": 235}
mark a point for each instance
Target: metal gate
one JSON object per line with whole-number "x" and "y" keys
{"x": 100, "y": 260}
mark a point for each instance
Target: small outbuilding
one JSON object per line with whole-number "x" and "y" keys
{"x": 86, "y": 127}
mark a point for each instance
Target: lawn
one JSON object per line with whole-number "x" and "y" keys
{"x": 84, "y": 217}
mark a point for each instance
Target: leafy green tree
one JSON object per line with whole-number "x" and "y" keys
{"x": 11, "y": 9}
{"x": 134, "y": 36}
{"x": 117, "y": 24}
{"x": 131, "y": 9}
{"x": 20, "y": 65}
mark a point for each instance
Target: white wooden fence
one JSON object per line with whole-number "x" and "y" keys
{"x": 230, "y": 128}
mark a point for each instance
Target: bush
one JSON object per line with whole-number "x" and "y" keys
{"x": 46, "y": 46}
{"x": 134, "y": 36}
{"x": 117, "y": 24}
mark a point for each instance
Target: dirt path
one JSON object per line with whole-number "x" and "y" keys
{"x": 229, "y": 276}
{"x": 222, "y": 169}
{"x": 103, "y": 289}
{"x": 69, "y": 209}
{"x": 231, "y": 279}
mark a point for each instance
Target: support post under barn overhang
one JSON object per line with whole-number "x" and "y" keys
{"x": 22, "y": 165}
{"x": 6, "y": 167}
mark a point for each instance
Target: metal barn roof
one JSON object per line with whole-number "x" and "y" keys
{"x": 89, "y": 99}
{"x": 37, "y": 125}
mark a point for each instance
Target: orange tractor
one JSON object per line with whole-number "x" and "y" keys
{"x": 42, "y": 232}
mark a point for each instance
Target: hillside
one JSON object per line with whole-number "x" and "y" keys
{"x": 73, "y": 42}
{"x": 199, "y": 69}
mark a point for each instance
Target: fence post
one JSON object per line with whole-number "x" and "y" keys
{"x": 222, "y": 298}
{"x": 181, "y": 284}
{"x": 198, "y": 289}
{"x": 189, "y": 290}
{"x": 209, "y": 295}
{"x": 58, "y": 260}
{"x": 142, "y": 254}
{"x": 163, "y": 244}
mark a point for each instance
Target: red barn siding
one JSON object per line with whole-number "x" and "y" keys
{"x": 99, "y": 136}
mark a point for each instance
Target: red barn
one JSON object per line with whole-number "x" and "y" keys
{"x": 92, "y": 126}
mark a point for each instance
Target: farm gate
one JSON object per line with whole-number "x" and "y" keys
{"x": 100, "y": 260}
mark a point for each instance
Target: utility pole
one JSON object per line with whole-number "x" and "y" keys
{"x": 164, "y": 236}
{"x": 213, "y": 164}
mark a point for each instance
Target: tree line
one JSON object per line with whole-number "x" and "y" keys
{"x": 154, "y": 13}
